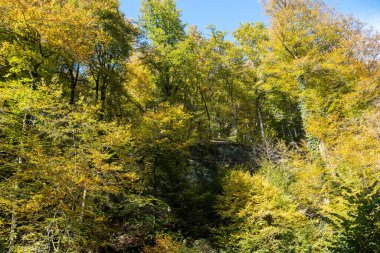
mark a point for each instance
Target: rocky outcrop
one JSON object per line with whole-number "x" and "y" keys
{"x": 207, "y": 158}
{"x": 214, "y": 154}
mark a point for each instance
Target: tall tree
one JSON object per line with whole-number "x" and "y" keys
{"x": 161, "y": 23}
{"x": 112, "y": 48}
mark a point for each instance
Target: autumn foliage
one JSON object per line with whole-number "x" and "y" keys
{"x": 120, "y": 135}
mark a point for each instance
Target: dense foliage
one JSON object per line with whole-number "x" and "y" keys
{"x": 149, "y": 136}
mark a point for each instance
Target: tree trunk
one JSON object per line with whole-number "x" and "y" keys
{"x": 83, "y": 203}
{"x": 74, "y": 74}
{"x": 97, "y": 89}
{"x": 207, "y": 111}
{"x": 12, "y": 233}
{"x": 261, "y": 124}
{"x": 154, "y": 193}
{"x": 103, "y": 96}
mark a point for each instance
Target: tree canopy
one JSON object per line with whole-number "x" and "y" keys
{"x": 121, "y": 135}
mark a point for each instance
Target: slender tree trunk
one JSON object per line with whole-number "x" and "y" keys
{"x": 12, "y": 233}
{"x": 103, "y": 96}
{"x": 74, "y": 74}
{"x": 72, "y": 92}
{"x": 207, "y": 111}
{"x": 33, "y": 73}
{"x": 154, "y": 193}
{"x": 230, "y": 91}
{"x": 283, "y": 130}
{"x": 261, "y": 124}
{"x": 96, "y": 89}
{"x": 83, "y": 203}
{"x": 301, "y": 88}
{"x": 33, "y": 76}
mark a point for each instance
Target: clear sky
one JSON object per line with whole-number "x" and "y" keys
{"x": 226, "y": 15}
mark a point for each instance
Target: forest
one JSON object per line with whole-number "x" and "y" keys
{"x": 147, "y": 135}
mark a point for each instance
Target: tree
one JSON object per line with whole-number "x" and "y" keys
{"x": 160, "y": 21}
{"x": 359, "y": 229}
{"x": 112, "y": 48}
{"x": 117, "y": 136}
{"x": 259, "y": 217}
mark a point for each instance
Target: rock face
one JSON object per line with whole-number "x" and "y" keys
{"x": 208, "y": 159}
{"x": 208, "y": 162}
{"x": 193, "y": 202}
{"x": 216, "y": 154}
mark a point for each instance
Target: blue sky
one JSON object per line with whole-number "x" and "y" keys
{"x": 226, "y": 15}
